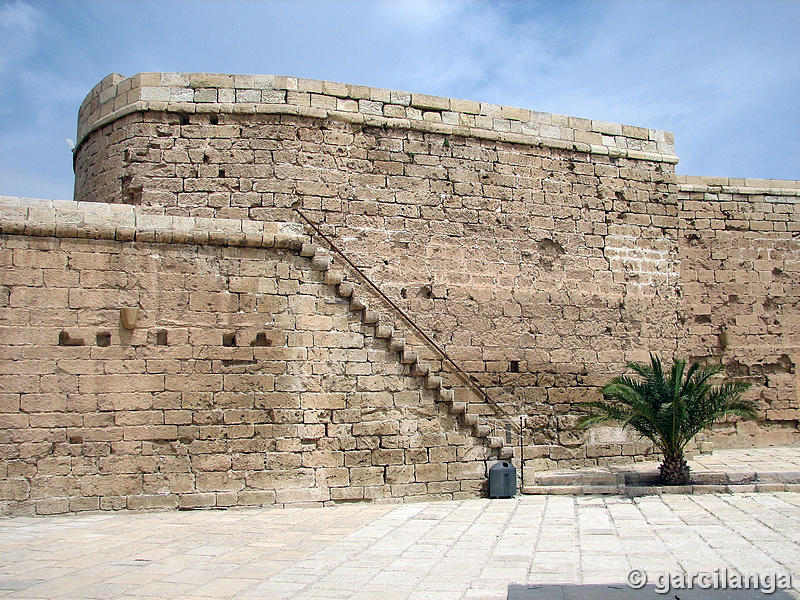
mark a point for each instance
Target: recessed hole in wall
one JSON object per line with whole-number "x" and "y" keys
{"x": 161, "y": 337}
{"x": 723, "y": 339}
{"x": 550, "y": 248}
{"x": 65, "y": 340}
{"x": 130, "y": 194}
{"x": 426, "y": 292}
{"x": 75, "y": 439}
{"x": 693, "y": 239}
{"x": 184, "y": 119}
{"x": 261, "y": 339}
{"x": 229, "y": 339}
{"x": 133, "y": 196}
{"x": 222, "y": 172}
{"x": 237, "y": 363}
{"x": 214, "y": 120}
{"x": 206, "y": 159}
{"x": 104, "y": 339}
{"x": 403, "y": 293}
{"x": 513, "y": 366}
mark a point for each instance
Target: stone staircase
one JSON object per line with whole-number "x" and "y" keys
{"x": 321, "y": 260}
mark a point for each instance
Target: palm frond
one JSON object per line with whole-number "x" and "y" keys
{"x": 670, "y": 407}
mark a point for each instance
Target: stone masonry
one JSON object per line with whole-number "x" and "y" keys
{"x": 540, "y": 251}
{"x": 254, "y": 375}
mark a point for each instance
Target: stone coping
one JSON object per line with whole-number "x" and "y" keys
{"x": 116, "y": 96}
{"x": 121, "y": 222}
{"x": 734, "y": 185}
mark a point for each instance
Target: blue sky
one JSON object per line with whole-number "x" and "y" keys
{"x": 724, "y": 76}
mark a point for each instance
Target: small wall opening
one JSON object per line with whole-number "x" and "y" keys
{"x": 184, "y": 119}
{"x": 213, "y": 120}
{"x": 513, "y": 366}
{"x": 261, "y": 339}
{"x": 229, "y": 339}
{"x": 161, "y": 337}
{"x": 103, "y": 339}
{"x": 222, "y": 172}
{"x": 64, "y": 339}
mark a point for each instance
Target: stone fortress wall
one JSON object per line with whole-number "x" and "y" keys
{"x": 540, "y": 251}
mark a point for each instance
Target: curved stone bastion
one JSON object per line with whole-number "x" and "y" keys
{"x": 540, "y": 252}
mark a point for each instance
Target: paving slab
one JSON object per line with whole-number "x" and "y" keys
{"x": 480, "y": 549}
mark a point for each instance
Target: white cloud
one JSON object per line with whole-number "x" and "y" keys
{"x": 19, "y": 24}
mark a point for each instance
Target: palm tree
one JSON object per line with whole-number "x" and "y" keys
{"x": 669, "y": 408}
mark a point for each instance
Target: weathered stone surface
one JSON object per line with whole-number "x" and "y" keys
{"x": 540, "y": 251}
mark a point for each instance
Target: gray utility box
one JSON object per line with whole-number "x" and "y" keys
{"x": 502, "y": 480}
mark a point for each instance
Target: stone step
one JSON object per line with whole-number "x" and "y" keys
{"x": 420, "y": 369}
{"x": 482, "y": 430}
{"x": 433, "y": 382}
{"x": 506, "y": 452}
{"x": 408, "y": 357}
{"x": 560, "y": 490}
{"x": 333, "y": 277}
{"x": 579, "y": 478}
{"x": 383, "y": 331}
{"x": 602, "y": 489}
{"x": 321, "y": 263}
{"x": 357, "y": 304}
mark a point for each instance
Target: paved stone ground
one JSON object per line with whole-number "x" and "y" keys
{"x": 471, "y": 549}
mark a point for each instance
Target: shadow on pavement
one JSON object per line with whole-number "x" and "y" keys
{"x": 623, "y": 592}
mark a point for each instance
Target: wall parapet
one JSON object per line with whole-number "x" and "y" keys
{"x": 738, "y": 185}
{"x": 94, "y": 220}
{"x": 116, "y": 96}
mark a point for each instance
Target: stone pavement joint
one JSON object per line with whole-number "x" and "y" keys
{"x": 471, "y": 549}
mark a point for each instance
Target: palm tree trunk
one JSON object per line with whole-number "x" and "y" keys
{"x": 674, "y": 470}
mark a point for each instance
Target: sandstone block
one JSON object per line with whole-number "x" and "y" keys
{"x": 430, "y": 472}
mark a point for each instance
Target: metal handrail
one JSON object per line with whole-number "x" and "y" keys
{"x": 461, "y": 373}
